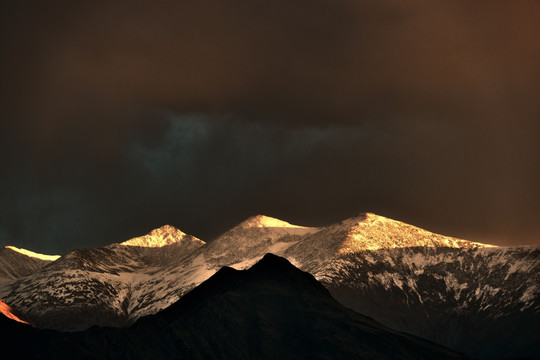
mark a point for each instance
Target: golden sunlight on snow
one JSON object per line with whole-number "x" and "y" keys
{"x": 266, "y": 221}
{"x": 33, "y": 254}
{"x": 373, "y": 232}
{"x": 163, "y": 236}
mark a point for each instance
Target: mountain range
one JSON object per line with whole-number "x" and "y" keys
{"x": 271, "y": 311}
{"x": 476, "y": 298}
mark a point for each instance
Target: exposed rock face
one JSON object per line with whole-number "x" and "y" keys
{"x": 469, "y": 296}
{"x": 480, "y": 300}
{"x": 271, "y": 311}
{"x": 16, "y": 262}
{"x": 95, "y": 286}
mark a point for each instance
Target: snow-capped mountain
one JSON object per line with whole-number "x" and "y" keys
{"x": 473, "y": 297}
{"x": 95, "y": 286}
{"x": 240, "y": 247}
{"x": 16, "y": 263}
{"x": 469, "y": 296}
{"x": 271, "y": 311}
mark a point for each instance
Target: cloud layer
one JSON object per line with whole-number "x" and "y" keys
{"x": 118, "y": 117}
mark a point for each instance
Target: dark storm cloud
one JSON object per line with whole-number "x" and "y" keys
{"x": 306, "y": 110}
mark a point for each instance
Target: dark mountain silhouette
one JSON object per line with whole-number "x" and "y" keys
{"x": 271, "y": 311}
{"x": 476, "y": 298}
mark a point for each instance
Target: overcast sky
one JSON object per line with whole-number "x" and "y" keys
{"x": 121, "y": 116}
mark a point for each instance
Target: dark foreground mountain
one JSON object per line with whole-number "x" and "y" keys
{"x": 271, "y": 311}
{"x": 472, "y": 300}
{"x": 103, "y": 286}
{"x": 480, "y": 299}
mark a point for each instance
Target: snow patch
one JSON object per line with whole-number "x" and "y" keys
{"x": 267, "y": 221}
{"x": 33, "y": 254}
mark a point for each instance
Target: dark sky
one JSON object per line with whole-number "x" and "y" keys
{"x": 121, "y": 116}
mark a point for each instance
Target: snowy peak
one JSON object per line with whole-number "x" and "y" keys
{"x": 369, "y": 232}
{"x": 248, "y": 241}
{"x": 262, "y": 221}
{"x": 15, "y": 262}
{"x": 372, "y": 232}
{"x": 166, "y": 230}
{"x": 163, "y": 236}
{"x": 33, "y": 254}
{"x": 261, "y": 230}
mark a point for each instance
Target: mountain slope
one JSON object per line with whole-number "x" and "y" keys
{"x": 469, "y": 296}
{"x": 96, "y": 286}
{"x": 483, "y": 301}
{"x": 272, "y": 311}
{"x": 11, "y": 313}
{"x": 473, "y": 297}
{"x": 16, "y": 262}
{"x": 367, "y": 232}
{"x": 253, "y": 238}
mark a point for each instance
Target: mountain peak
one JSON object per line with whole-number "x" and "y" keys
{"x": 365, "y": 217}
{"x": 274, "y": 265}
{"x": 369, "y": 231}
{"x": 162, "y": 236}
{"x": 166, "y": 229}
{"x": 270, "y": 261}
{"x": 266, "y": 221}
{"x": 33, "y": 254}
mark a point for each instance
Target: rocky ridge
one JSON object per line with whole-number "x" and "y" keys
{"x": 405, "y": 277}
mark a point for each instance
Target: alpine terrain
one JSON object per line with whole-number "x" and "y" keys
{"x": 475, "y": 298}
{"x": 271, "y": 311}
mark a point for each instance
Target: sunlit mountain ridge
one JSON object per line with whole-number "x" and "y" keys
{"x": 270, "y": 311}
{"x": 408, "y": 278}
